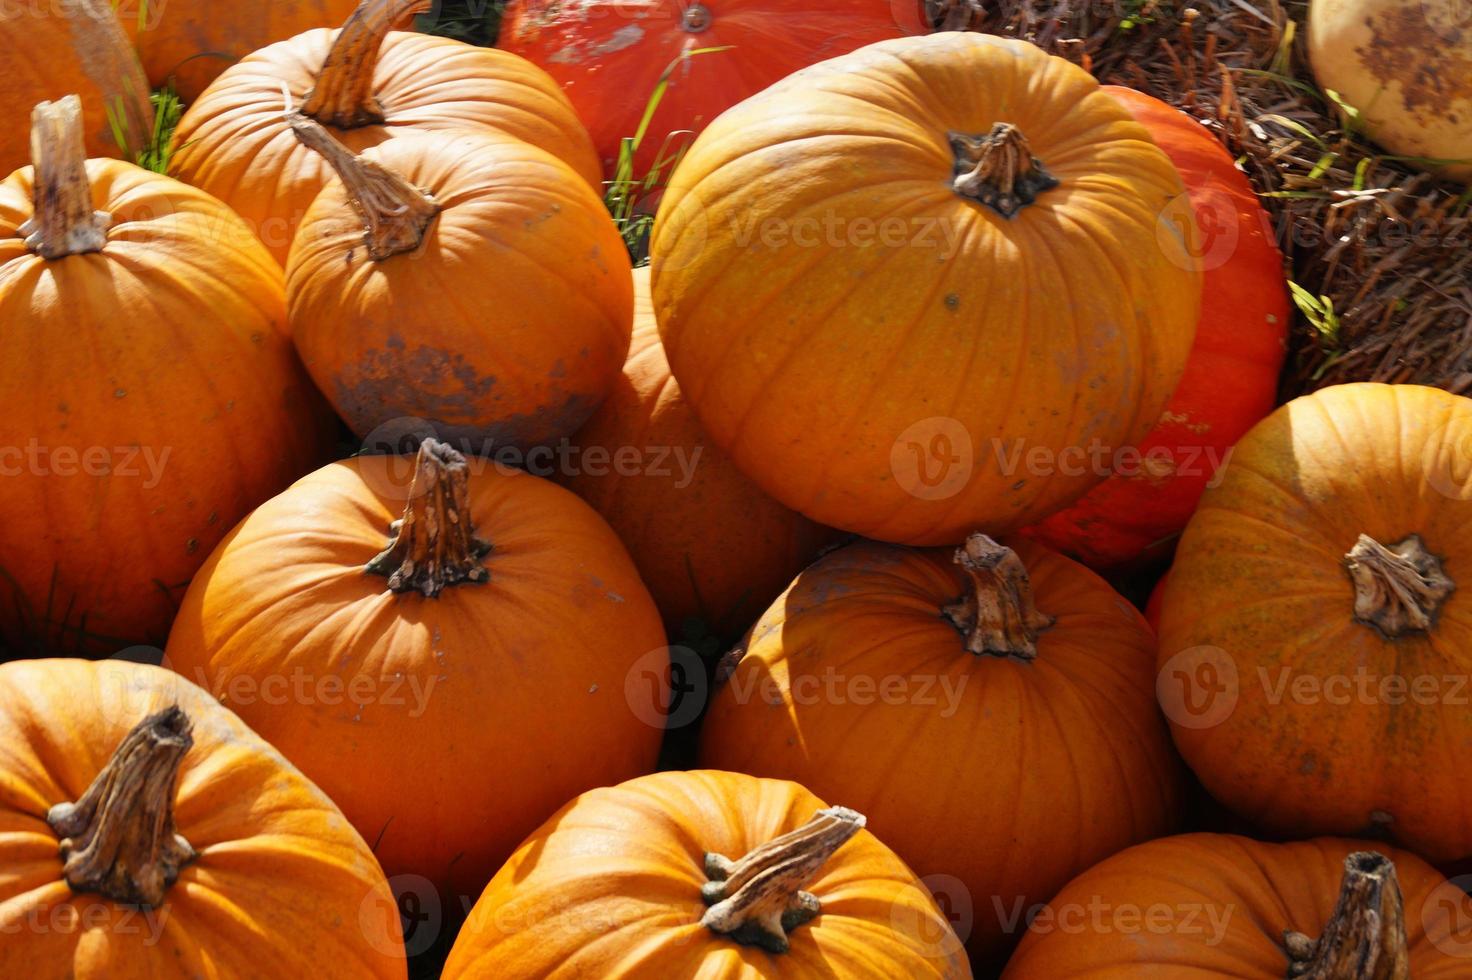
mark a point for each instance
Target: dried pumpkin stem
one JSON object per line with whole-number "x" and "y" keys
{"x": 1398, "y": 589}
{"x": 395, "y": 213}
{"x": 758, "y": 900}
{"x": 1365, "y": 936}
{"x": 998, "y": 617}
{"x": 64, "y": 222}
{"x": 343, "y": 96}
{"x": 433, "y": 545}
{"x": 119, "y": 839}
{"x": 998, "y": 169}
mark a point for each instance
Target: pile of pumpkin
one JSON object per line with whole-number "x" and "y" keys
{"x": 901, "y": 305}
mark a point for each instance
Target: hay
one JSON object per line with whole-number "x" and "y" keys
{"x": 1381, "y": 253}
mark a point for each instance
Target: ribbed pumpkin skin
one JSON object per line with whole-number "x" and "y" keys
{"x": 520, "y": 701}
{"x": 1231, "y": 378}
{"x": 882, "y": 387}
{"x": 708, "y": 543}
{"x": 608, "y": 56}
{"x": 1229, "y": 900}
{"x": 234, "y": 143}
{"x": 610, "y": 887}
{"x": 1259, "y": 578}
{"x": 283, "y": 885}
{"x": 507, "y": 326}
{"x": 166, "y": 354}
{"x": 1021, "y": 777}
{"x": 57, "y": 49}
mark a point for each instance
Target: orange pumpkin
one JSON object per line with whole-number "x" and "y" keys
{"x": 994, "y": 717}
{"x": 449, "y": 684}
{"x": 685, "y": 874}
{"x": 904, "y": 288}
{"x": 146, "y": 832}
{"x": 708, "y": 543}
{"x": 1202, "y": 906}
{"x": 367, "y": 84}
{"x": 149, "y": 397}
{"x": 53, "y": 49}
{"x": 1314, "y": 632}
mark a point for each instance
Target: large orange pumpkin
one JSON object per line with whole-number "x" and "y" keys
{"x": 1202, "y": 906}
{"x": 146, "y": 832}
{"x": 704, "y": 874}
{"x": 609, "y": 56}
{"x": 708, "y": 543}
{"x": 906, "y": 287}
{"x": 1231, "y": 378}
{"x": 450, "y": 682}
{"x": 1316, "y": 628}
{"x": 54, "y": 49}
{"x": 471, "y": 281}
{"x": 367, "y": 84}
{"x": 149, "y": 396}
{"x": 992, "y": 716}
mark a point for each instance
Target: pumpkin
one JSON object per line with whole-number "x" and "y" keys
{"x": 990, "y": 710}
{"x": 53, "y": 49}
{"x": 1314, "y": 632}
{"x": 1201, "y": 906}
{"x": 451, "y": 681}
{"x": 610, "y": 55}
{"x": 1405, "y": 66}
{"x": 904, "y": 287}
{"x": 707, "y": 542}
{"x": 149, "y": 397}
{"x": 369, "y": 84}
{"x": 188, "y": 43}
{"x": 146, "y": 832}
{"x": 1231, "y": 378}
{"x": 470, "y": 281}
{"x": 684, "y": 874}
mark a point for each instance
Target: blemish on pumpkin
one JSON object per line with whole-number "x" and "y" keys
{"x": 624, "y": 37}
{"x": 191, "y": 546}
{"x": 953, "y": 301}
{"x": 1395, "y": 53}
{"x": 120, "y": 393}
{"x": 593, "y": 689}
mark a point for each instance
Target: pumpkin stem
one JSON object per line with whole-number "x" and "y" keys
{"x": 1397, "y": 589}
{"x": 119, "y": 839}
{"x": 64, "y": 222}
{"x": 395, "y": 213}
{"x": 1365, "y": 937}
{"x": 434, "y": 544}
{"x": 758, "y": 899}
{"x": 997, "y": 616}
{"x": 998, "y": 169}
{"x": 343, "y": 96}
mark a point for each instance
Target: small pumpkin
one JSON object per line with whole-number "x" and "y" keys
{"x": 149, "y": 396}
{"x": 146, "y": 832}
{"x": 462, "y": 669}
{"x": 470, "y": 281}
{"x": 1314, "y": 631}
{"x": 992, "y": 715}
{"x": 684, "y": 874}
{"x": 367, "y": 83}
{"x": 1218, "y": 905}
{"x": 891, "y": 282}
{"x": 1405, "y": 66}
{"x": 610, "y": 55}
{"x": 1231, "y": 378}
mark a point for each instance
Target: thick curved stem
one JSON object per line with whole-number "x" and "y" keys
{"x": 64, "y": 222}
{"x": 433, "y": 545}
{"x": 998, "y": 169}
{"x": 119, "y": 839}
{"x": 1365, "y": 937}
{"x": 759, "y": 899}
{"x": 343, "y": 96}
{"x": 998, "y": 616}
{"x": 395, "y": 213}
{"x": 1398, "y": 589}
